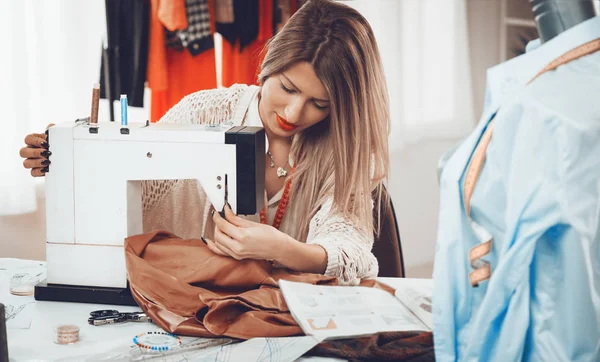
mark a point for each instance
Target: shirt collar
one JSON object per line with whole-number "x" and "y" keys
{"x": 504, "y": 79}
{"x": 533, "y": 45}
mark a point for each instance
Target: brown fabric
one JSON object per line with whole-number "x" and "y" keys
{"x": 388, "y": 346}
{"x": 386, "y": 247}
{"x": 188, "y": 290}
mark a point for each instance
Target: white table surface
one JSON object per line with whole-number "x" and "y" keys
{"x": 36, "y": 343}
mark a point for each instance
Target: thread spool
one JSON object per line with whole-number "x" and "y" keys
{"x": 22, "y": 284}
{"x": 95, "y": 105}
{"x": 22, "y": 290}
{"x": 66, "y": 334}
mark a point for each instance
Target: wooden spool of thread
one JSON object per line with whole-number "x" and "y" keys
{"x": 66, "y": 334}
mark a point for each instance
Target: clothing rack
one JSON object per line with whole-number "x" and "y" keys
{"x": 110, "y": 56}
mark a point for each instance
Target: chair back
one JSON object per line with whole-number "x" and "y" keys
{"x": 387, "y": 247}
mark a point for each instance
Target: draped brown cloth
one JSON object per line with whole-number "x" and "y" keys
{"x": 188, "y": 290}
{"x": 387, "y": 346}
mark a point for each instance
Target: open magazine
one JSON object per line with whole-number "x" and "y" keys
{"x": 353, "y": 311}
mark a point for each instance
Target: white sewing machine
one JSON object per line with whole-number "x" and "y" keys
{"x": 93, "y": 193}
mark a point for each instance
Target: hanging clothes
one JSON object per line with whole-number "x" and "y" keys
{"x": 173, "y": 74}
{"x": 197, "y": 36}
{"x": 173, "y": 15}
{"x": 244, "y": 27}
{"x": 282, "y": 11}
{"x": 127, "y": 25}
{"x": 224, "y": 12}
{"x": 242, "y": 66}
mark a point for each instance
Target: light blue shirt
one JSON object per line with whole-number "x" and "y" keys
{"x": 539, "y": 197}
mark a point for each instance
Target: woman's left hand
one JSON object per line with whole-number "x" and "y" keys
{"x": 244, "y": 239}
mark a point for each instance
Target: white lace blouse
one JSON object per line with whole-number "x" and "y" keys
{"x": 182, "y": 208}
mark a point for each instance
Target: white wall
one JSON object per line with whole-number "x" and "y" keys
{"x": 413, "y": 183}
{"x": 23, "y": 236}
{"x": 484, "y": 41}
{"x": 413, "y": 177}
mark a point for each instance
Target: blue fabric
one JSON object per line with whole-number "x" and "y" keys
{"x": 539, "y": 196}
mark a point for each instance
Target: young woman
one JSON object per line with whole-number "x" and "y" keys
{"x": 323, "y": 103}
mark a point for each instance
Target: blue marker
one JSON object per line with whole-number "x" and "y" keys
{"x": 123, "y": 110}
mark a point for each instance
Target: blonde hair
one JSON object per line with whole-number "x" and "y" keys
{"x": 347, "y": 153}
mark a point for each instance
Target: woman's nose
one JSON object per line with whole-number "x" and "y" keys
{"x": 293, "y": 111}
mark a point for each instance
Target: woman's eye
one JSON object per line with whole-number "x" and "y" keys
{"x": 319, "y": 107}
{"x": 287, "y": 89}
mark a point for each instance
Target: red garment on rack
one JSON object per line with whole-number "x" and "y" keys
{"x": 243, "y": 67}
{"x": 172, "y": 74}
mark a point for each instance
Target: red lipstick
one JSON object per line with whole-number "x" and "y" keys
{"x": 285, "y": 125}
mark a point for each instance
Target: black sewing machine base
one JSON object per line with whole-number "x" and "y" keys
{"x": 82, "y": 294}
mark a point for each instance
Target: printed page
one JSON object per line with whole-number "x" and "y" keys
{"x": 416, "y": 295}
{"x": 339, "y": 312}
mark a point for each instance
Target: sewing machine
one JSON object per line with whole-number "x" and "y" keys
{"x": 94, "y": 194}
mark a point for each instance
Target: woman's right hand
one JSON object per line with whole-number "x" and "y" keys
{"x": 36, "y": 153}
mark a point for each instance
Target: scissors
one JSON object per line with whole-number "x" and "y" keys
{"x": 108, "y": 316}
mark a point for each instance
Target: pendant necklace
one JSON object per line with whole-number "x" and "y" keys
{"x": 281, "y": 171}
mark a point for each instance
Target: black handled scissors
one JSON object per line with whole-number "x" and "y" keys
{"x": 108, "y": 316}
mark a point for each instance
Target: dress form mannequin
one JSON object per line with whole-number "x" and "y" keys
{"x": 552, "y": 17}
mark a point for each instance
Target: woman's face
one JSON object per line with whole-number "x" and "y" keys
{"x": 293, "y": 100}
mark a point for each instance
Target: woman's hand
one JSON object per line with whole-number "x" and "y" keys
{"x": 244, "y": 239}
{"x": 36, "y": 153}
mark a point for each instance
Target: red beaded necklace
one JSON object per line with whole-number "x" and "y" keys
{"x": 282, "y": 204}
